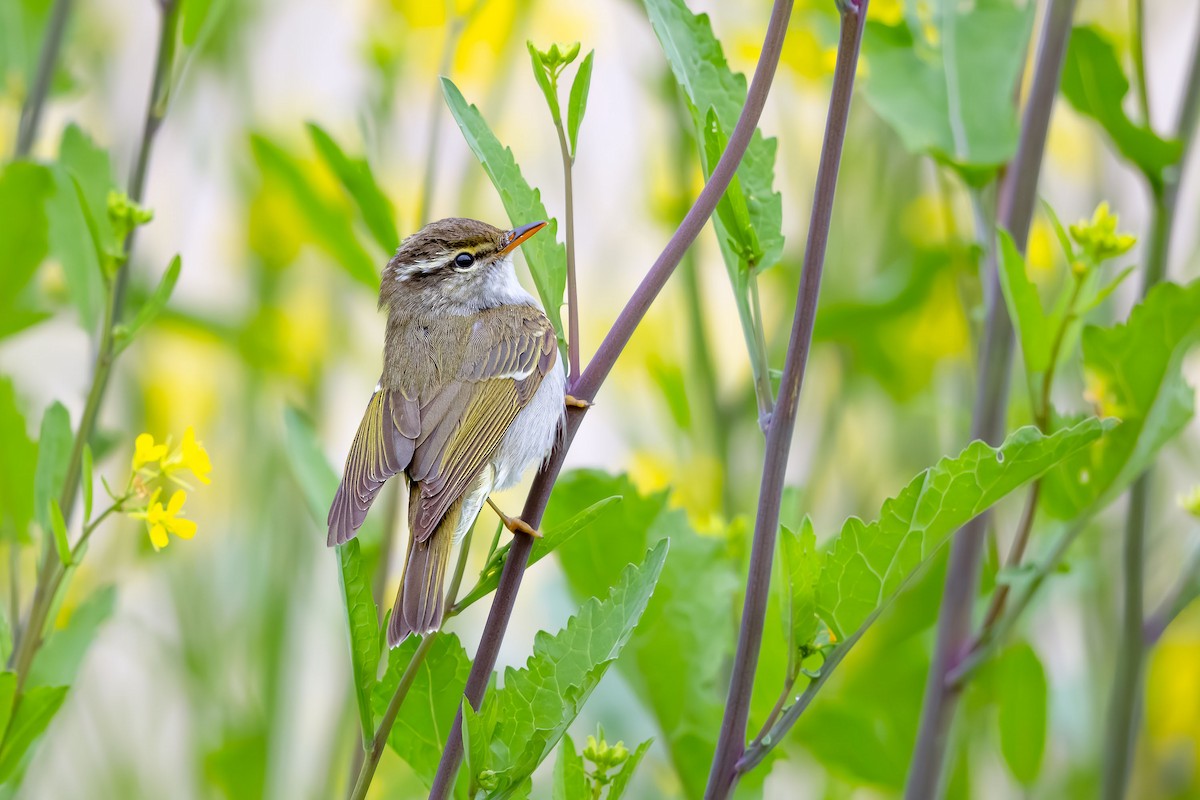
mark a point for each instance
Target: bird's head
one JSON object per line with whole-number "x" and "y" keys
{"x": 452, "y": 261}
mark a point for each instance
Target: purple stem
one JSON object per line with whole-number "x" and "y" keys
{"x": 731, "y": 744}
{"x": 597, "y": 370}
{"x": 991, "y": 405}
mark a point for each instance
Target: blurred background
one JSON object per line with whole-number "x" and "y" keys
{"x": 223, "y": 670}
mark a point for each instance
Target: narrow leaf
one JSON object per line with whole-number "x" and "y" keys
{"x": 544, "y": 83}
{"x": 570, "y": 780}
{"x": 88, "y": 478}
{"x": 577, "y": 105}
{"x": 1025, "y": 307}
{"x": 33, "y": 713}
{"x": 802, "y": 565}
{"x": 59, "y": 526}
{"x": 356, "y": 177}
{"x": 18, "y": 463}
{"x": 8, "y": 693}
{"x": 363, "y": 617}
{"x": 1022, "y": 698}
{"x": 73, "y": 241}
{"x": 154, "y": 304}
{"x": 54, "y": 451}
{"x": 620, "y": 781}
{"x": 547, "y": 258}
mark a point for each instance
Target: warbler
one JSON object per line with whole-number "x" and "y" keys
{"x": 471, "y": 395}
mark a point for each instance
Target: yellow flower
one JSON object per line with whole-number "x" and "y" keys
{"x": 193, "y": 456}
{"x": 145, "y": 451}
{"x": 161, "y": 521}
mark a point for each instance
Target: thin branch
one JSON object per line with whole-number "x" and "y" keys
{"x": 1137, "y": 26}
{"x": 35, "y": 101}
{"x": 1017, "y": 199}
{"x": 568, "y": 163}
{"x": 731, "y": 743}
{"x": 1187, "y": 590}
{"x": 593, "y": 377}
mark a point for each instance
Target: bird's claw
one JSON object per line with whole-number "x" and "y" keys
{"x": 515, "y": 524}
{"x": 575, "y": 402}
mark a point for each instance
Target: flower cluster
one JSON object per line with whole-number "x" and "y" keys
{"x": 604, "y": 757}
{"x": 153, "y": 461}
{"x": 1099, "y": 240}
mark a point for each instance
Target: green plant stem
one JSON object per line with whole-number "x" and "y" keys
{"x": 35, "y": 101}
{"x": 379, "y": 742}
{"x": 1017, "y": 199}
{"x": 1137, "y": 51}
{"x": 1123, "y": 712}
{"x": 731, "y": 742}
{"x": 568, "y": 165}
{"x": 51, "y": 572}
{"x": 1187, "y": 590}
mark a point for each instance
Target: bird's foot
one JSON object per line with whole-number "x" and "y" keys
{"x": 515, "y": 524}
{"x": 575, "y": 402}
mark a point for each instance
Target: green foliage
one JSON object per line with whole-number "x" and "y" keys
{"x": 570, "y": 781}
{"x": 1022, "y": 693}
{"x": 58, "y": 526}
{"x": 32, "y": 714}
{"x": 802, "y": 566}
{"x": 1133, "y": 373}
{"x": 868, "y": 563}
{"x": 54, "y": 450}
{"x": 424, "y": 722}
{"x": 1095, "y": 85}
{"x": 573, "y": 780}
{"x": 355, "y": 175}
{"x": 59, "y": 660}
{"x": 1034, "y": 327}
{"x": 577, "y": 103}
{"x": 946, "y": 85}
{"x": 24, "y": 239}
{"x": 698, "y": 63}
{"x": 152, "y": 308}
{"x": 539, "y": 702}
{"x": 674, "y": 660}
{"x": 547, "y": 258}
{"x": 18, "y": 458}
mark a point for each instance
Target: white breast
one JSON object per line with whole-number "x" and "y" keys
{"x": 532, "y": 434}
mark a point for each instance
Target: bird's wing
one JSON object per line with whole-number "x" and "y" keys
{"x": 383, "y": 446}
{"x": 510, "y": 350}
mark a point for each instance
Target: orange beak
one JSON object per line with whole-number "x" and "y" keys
{"x": 512, "y": 239}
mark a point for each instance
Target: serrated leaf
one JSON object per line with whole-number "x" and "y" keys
{"x": 54, "y": 450}
{"x": 477, "y": 739}
{"x": 949, "y": 93}
{"x": 1133, "y": 372}
{"x": 869, "y": 562}
{"x": 34, "y": 711}
{"x": 18, "y": 461}
{"x": 577, "y": 104}
{"x": 362, "y": 616}
{"x": 547, "y": 258}
{"x": 802, "y": 566}
{"x": 425, "y": 719}
{"x": 1022, "y": 697}
{"x": 675, "y": 659}
{"x": 59, "y": 659}
{"x": 700, "y": 69}
{"x": 1025, "y": 307}
{"x": 540, "y": 701}
{"x": 356, "y": 177}
{"x": 570, "y": 780}
{"x": 153, "y": 306}
{"x": 552, "y": 538}
{"x": 1095, "y": 85}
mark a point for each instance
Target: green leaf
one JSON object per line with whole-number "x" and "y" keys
{"x": 8, "y": 693}
{"x": 570, "y": 780}
{"x": 24, "y": 231}
{"x": 577, "y": 104}
{"x": 6, "y": 640}
{"x": 355, "y": 175}
{"x": 87, "y": 479}
{"x": 732, "y": 210}
{"x": 59, "y": 526}
{"x": 477, "y": 738}
{"x": 541, "y": 74}
{"x": 54, "y": 450}
{"x": 363, "y": 617}
{"x": 675, "y": 660}
{"x": 329, "y": 225}
{"x": 34, "y": 711}
{"x": 1133, "y": 372}
{"x": 620, "y": 780}
{"x": 58, "y": 661}
{"x": 952, "y": 99}
{"x": 74, "y": 244}
{"x": 1095, "y": 85}
{"x": 18, "y": 460}
{"x": 199, "y": 19}
{"x": 552, "y": 537}
{"x": 539, "y": 702}
{"x": 802, "y": 565}
{"x": 869, "y": 562}
{"x": 318, "y": 483}
{"x": 546, "y": 257}
{"x": 89, "y": 165}
{"x": 1025, "y": 307}
{"x": 153, "y": 306}
{"x": 424, "y": 722}
{"x": 700, "y": 69}
{"x": 1022, "y": 694}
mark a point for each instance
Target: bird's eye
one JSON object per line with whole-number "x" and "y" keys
{"x": 464, "y": 260}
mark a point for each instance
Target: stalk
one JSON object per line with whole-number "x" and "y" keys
{"x": 593, "y": 377}
{"x": 35, "y": 101}
{"x": 731, "y": 743}
{"x": 1017, "y": 198}
{"x": 568, "y": 163}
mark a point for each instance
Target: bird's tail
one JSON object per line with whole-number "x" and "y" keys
{"x": 420, "y": 602}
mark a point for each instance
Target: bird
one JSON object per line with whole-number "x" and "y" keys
{"x": 472, "y": 394}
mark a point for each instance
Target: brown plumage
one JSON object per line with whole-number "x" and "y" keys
{"x": 466, "y": 353}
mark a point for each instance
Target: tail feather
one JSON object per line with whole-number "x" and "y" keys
{"x": 420, "y": 603}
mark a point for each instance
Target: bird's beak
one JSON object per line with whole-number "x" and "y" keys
{"x": 516, "y": 236}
